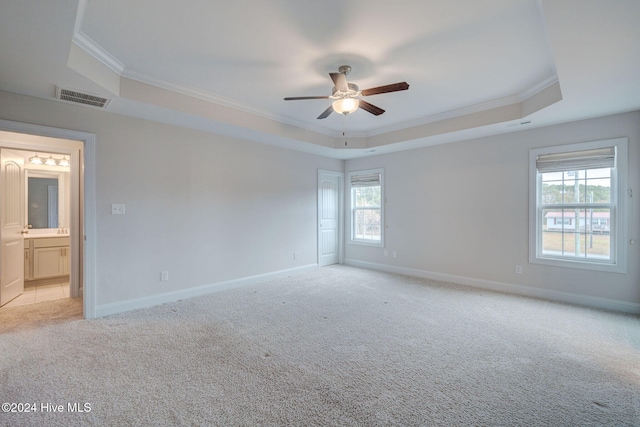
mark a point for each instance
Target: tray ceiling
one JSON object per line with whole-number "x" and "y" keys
{"x": 474, "y": 68}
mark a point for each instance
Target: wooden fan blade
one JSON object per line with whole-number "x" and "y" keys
{"x": 297, "y": 98}
{"x": 340, "y": 81}
{"x": 385, "y": 89}
{"x": 326, "y": 113}
{"x": 376, "y": 111}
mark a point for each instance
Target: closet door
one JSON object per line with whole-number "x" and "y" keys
{"x": 329, "y": 240}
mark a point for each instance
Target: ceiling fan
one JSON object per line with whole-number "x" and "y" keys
{"x": 346, "y": 95}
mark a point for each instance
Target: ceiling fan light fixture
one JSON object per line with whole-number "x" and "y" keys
{"x": 345, "y": 105}
{"x": 346, "y": 95}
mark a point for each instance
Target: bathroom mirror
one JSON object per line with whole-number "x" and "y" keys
{"x": 45, "y": 199}
{"x": 42, "y": 202}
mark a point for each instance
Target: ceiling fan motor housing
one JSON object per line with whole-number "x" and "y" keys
{"x": 347, "y": 101}
{"x": 354, "y": 90}
{"x": 344, "y": 69}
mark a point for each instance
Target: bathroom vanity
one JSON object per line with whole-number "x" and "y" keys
{"x": 46, "y": 257}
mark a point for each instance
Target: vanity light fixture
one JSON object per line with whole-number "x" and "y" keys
{"x": 50, "y": 161}
{"x": 63, "y": 162}
{"x": 35, "y": 160}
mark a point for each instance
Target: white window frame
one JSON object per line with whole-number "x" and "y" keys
{"x": 353, "y": 239}
{"x": 618, "y": 233}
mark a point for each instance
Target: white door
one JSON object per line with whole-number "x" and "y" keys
{"x": 329, "y": 192}
{"x": 12, "y": 219}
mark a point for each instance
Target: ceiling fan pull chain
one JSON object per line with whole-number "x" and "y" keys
{"x": 344, "y": 128}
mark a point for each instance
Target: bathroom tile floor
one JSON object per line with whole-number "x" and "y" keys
{"x": 39, "y": 293}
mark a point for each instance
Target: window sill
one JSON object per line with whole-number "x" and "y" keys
{"x": 366, "y": 243}
{"x": 581, "y": 265}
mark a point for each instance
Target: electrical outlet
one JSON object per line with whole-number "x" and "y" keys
{"x": 295, "y": 255}
{"x": 518, "y": 269}
{"x": 395, "y": 254}
{"x": 117, "y": 209}
{"x": 164, "y": 276}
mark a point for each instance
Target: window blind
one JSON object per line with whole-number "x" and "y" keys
{"x": 577, "y": 160}
{"x": 367, "y": 180}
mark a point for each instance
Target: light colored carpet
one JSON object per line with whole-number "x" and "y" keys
{"x": 335, "y": 347}
{"x": 33, "y": 316}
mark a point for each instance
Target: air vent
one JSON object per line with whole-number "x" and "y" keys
{"x": 81, "y": 98}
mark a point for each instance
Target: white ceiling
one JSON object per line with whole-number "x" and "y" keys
{"x": 474, "y": 68}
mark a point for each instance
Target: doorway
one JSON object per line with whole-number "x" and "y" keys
{"x": 79, "y": 147}
{"x": 330, "y": 214}
{"x": 42, "y": 200}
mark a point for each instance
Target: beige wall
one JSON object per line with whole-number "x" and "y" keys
{"x": 460, "y": 211}
{"x": 211, "y": 208}
{"x": 206, "y": 208}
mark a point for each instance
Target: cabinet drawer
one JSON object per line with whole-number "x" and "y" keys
{"x": 49, "y": 242}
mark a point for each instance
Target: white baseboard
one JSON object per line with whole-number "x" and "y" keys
{"x": 529, "y": 291}
{"x": 152, "y": 300}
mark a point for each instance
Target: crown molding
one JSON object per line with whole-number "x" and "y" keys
{"x": 193, "y": 92}
{"x": 94, "y": 49}
{"x": 539, "y": 87}
{"x": 102, "y": 55}
{"x": 82, "y": 6}
{"x": 471, "y": 109}
{"x": 218, "y": 100}
{"x": 451, "y": 114}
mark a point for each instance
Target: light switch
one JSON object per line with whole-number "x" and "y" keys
{"x": 117, "y": 209}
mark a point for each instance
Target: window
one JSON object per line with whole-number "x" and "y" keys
{"x": 366, "y": 207}
{"x": 577, "y": 201}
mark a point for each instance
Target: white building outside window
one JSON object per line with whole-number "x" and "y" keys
{"x": 578, "y": 205}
